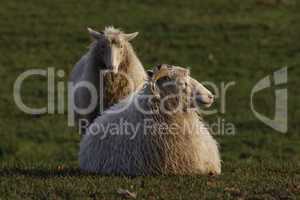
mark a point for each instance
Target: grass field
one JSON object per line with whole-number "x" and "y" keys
{"x": 221, "y": 41}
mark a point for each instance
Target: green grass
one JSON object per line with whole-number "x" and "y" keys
{"x": 221, "y": 41}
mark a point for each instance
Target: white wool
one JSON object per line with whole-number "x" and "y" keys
{"x": 186, "y": 149}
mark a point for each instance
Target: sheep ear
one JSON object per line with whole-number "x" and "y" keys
{"x": 130, "y": 36}
{"x": 150, "y": 73}
{"x": 160, "y": 71}
{"x": 94, "y": 34}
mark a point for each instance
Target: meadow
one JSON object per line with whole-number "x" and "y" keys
{"x": 220, "y": 41}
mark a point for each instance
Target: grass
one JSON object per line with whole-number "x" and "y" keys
{"x": 221, "y": 41}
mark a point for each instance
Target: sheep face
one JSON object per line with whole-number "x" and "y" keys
{"x": 111, "y": 46}
{"x": 177, "y": 91}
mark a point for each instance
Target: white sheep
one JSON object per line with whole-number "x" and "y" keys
{"x": 158, "y": 132}
{"x": 112, "y": 51}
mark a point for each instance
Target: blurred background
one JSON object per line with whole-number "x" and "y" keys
{"x": 220, "y": 41}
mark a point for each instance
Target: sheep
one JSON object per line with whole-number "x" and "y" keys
{"x": 111, "y": 57}
{"x": 159, "y": 132}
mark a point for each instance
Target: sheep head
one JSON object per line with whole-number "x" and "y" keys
{"x": 176, "y": 90}
{"x": 111, "y": 45}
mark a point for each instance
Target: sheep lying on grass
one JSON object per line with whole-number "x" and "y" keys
{"x": 112, "y": 51}
{"x": 154, "y": 131}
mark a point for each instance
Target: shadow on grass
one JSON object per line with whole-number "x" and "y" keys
{"x": 76, "y": 172}
{"x": 44, "y": 173}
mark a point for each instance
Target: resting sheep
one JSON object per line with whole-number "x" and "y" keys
{"x": 112, "y": 54}
{"x": 156, "y": 130}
